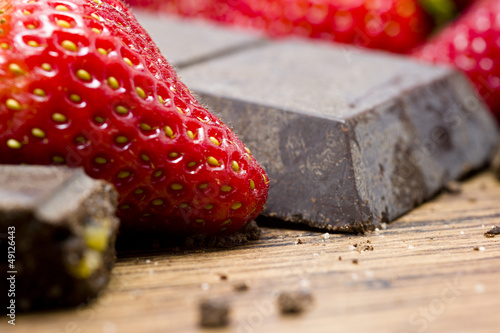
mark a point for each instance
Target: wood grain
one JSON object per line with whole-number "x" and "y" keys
{"x": 423, "y": 275}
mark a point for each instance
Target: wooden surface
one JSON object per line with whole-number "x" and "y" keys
{"x": 423, "y": 275}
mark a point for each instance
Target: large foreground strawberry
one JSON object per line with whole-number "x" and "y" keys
{"x": 81, "y": 83}
{"x": 472, "y": 44}
{"x": 393, "y": 25}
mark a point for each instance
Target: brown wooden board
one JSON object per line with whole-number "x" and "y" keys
{"x": 423, "y": 275}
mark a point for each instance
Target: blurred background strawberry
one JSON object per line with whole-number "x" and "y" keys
{"x": 392, "y": 25}
{"x": 472, "y": 44}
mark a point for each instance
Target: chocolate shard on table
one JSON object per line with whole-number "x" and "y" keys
{"x": 186, "y": 42}
{"x": 349, "y": 138}
{"x": 61, "y": 227}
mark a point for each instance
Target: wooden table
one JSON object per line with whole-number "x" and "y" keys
{"x": 433, "y": 270}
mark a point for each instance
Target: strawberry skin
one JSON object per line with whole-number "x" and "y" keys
{"x": 472, "y": 44}
{"x": 82, "y": 84}
{"x": 392, "y": 25}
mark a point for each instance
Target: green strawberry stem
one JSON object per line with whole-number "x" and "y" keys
{"x": 442, "y": 11}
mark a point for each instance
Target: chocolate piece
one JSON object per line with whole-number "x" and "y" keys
{"x": 294, "y": 302}
{"x": 214, "y": 313}
{"x": 240, "y": 287}
{"x": 492, "y": 232}
{"x": 496, "y": 161}
{"x": 349, "y": 138}
{"x": 184, "y": 42}
{"x": 64, "y": 233}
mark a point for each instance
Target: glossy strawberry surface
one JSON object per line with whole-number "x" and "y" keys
{"x": 82, "y": 84}
{"x": 392, "y": 25}
{"x": 472, "y": 44}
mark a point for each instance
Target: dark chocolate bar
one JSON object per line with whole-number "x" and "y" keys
{"x": 58, "y": 229}
{"x": 349, "y": 138}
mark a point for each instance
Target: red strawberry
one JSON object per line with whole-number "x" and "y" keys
{"x": 472, "y": 44}
{"x": 81, "y": 83}
{"x": 393, "y": 25}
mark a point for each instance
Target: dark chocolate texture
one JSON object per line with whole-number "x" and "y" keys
{"x": 495, "y": 230}
{"x": 294, "y": 302}
{"x": 349, "y": 138}
{"x": 214, "y": 313}
{"x": 65, "y": 230}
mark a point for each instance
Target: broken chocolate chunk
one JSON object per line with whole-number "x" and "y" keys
{"x": 492, "y": 232}
{"x": 64, "y": 230}
{"x": 214, "y": 313}
{"x": 240, "y": 287}
{"x": 294, "y": 302}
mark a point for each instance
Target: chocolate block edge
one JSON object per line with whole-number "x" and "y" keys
{"x": 64, "y": 239}
{"x": 414, "y": 153}
{"x": 334, "y": 205}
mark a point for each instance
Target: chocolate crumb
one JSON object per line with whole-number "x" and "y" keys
{"x": 240, "y": 287}
{"x": 223, "y": 277}
{"x": 248, "y": 233}
{"x": 214, "y": 313}
{"x": 294, "y": 302}
{"x": 479, "y": 248}
{"x": 363, "y": 246}
{"x": 299, "y": 241}
{"x": 340, "y": 258}
{"x": 453, "y": 187}
{"x": 492, "y": 232}
{"x": 355, "y": 261}
{"x": 495, "y": 164}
